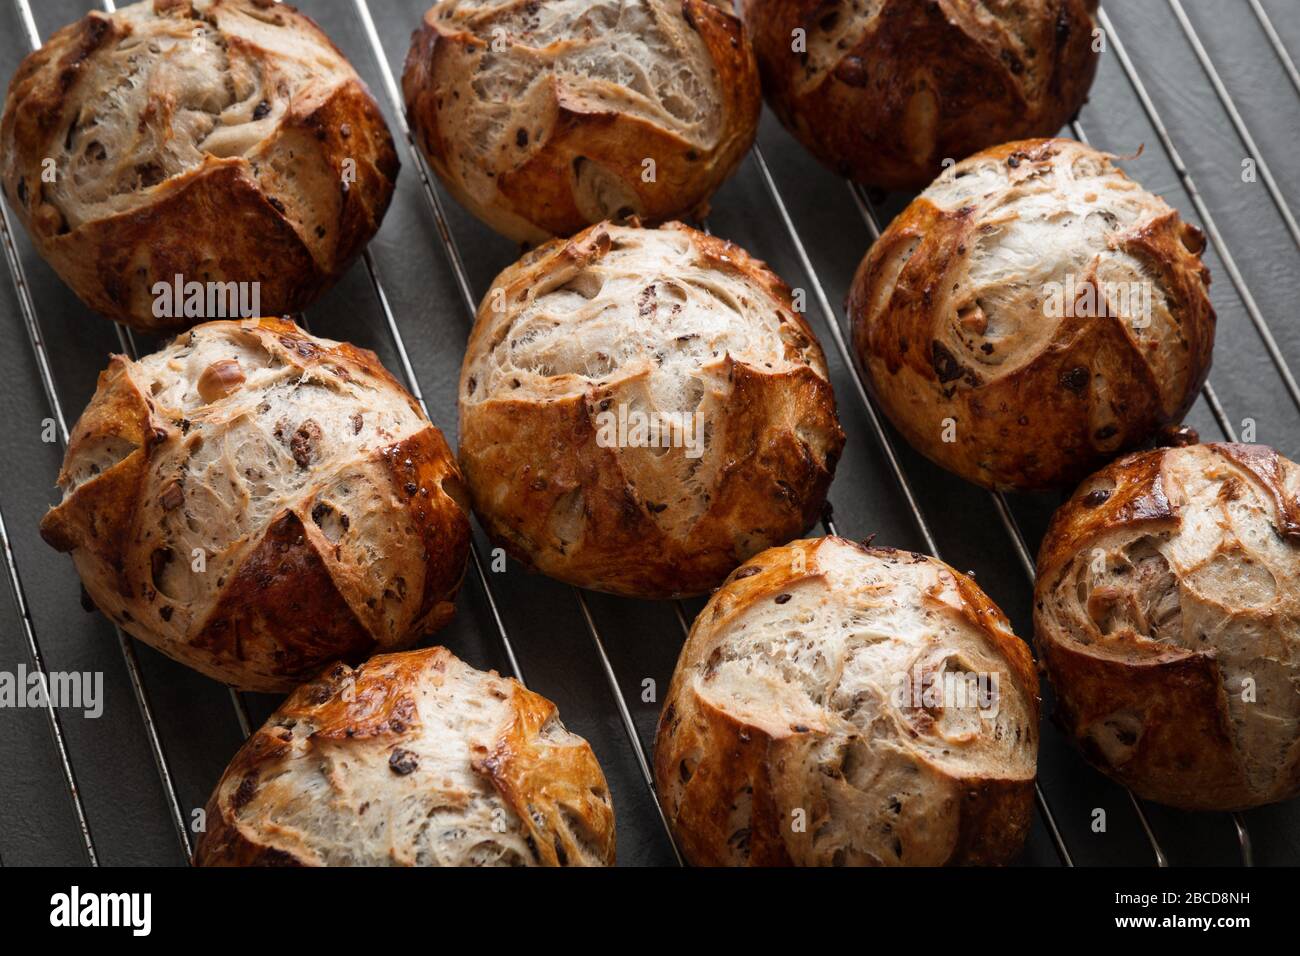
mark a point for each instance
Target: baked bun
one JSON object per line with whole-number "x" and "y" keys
{"x": 412, "y": 759}
{"x": 223, "y": 141}
{"x": 818, "y": 716}
{"x": 1167, "y": 616}
{"x": 255, "y": 502}
{"x": 1033, "y": 314}
{"x": 884, "y": 91}
{"x": 641, "y": 410}
{"x": 544, "y": 116}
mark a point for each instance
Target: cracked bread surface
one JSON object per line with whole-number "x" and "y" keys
{"x": 411, "y": 759}
{"x": 1167, "y": 619}
{"x": 797, "y": 731}
{"x": 540, "y": 115}
{"x": 670, "y": 326}
{"x": 1032, "y": 314}
{"x": 886, "y": 91}
{"x": 221, "y": 140}
{"x": 256, "y": 502}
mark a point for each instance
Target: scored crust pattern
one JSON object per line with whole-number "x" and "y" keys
{"x": 785, "y": 738}
{"x": 256, "y": 502}
{"x": 622, "y": 323}
{"x": 1167, "y": 617}
{"x": 412, "y": 759}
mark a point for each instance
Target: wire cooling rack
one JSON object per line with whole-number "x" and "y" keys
{"x": 1207, "y": 90}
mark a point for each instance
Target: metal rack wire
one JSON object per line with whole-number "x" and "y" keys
{"x": 128, "y": 648}
{"x": 831, "y": 322}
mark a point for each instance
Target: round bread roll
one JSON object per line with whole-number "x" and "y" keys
{"x": 218, "y": 141}
{"x": 545, "y": 116}
{"x": 839, "y": 705}
{"x": 1033, "y": 314}
{"x": 641, "y": 410}
{"x": 1167, "y": 616}
{"x": 412, "y": 759}
{"x": 883, "y": 91}
{"x": 255, "y": 502}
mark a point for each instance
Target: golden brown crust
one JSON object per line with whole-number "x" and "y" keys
{"x": 570, "y": 147}
{"x": 781, "y": 741}
{"x": 289, "y": 207}
{"x": 315, "y": 545}
{"x": 423, "y": 468}
{"x": 884, "y": 92}
{"x": 1131, "y": 494}
{"x": 283, "y": 593}
{"x": 523, "y": 766}
{"x": 1166, "y": 619}
{"x": 480, "y": 755}
{"x": 952, "y": 323}
{"x": 103, "y": 521}
{"x": 547, "y": 485}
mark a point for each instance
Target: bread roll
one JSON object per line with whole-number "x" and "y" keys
{"x": 839, "y": 705}
{"x": 1033, "y": 314}
{"x": 641, "y": 410}
{"x": 1167, "y": 616}
{"x": 255, "y": 502}
{"x": 544, "y": 117}
{"x": 412, "y": 759}
{"x": 883, "y": 91}
{"x": 221, "y": 141}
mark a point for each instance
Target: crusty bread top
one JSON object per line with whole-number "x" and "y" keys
{"x": 546, "y": 116}
{"x": 1179, "y": 553}
{"x": 1045, "y": 303}
{"x": 326, "y": 509}
{"x": 412, "y": 759}
{"x": 626, "y": 56}
{"x": 294, "y": 416}
{"x": 1038, "y": 218}
{"x": 1015, "y": 35}
{"x": 884, "y": 91}
{"x": 825, "y": 642}
{"x": 182, "y": 81}
{"x": 796, "y": 691}
{"x": 620, "y": 303}
{"x": 633, "y": 57}
{"x": 653, "y": 319}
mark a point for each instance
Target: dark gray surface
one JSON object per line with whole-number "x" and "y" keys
{"x": 125, "y": 800}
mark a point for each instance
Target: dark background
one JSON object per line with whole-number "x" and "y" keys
{"x": 132, "y": 806}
